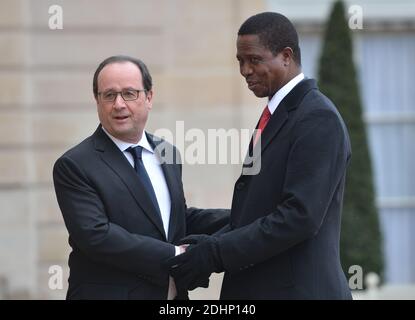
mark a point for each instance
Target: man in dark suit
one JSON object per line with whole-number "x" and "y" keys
{"x": 283, "y": 238}
{"x": 122, "y": 204}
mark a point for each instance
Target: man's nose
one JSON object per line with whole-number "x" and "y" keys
{"x": 245, "y": 70}
{"x": 119, "y": 101}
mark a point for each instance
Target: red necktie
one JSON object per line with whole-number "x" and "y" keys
{"x": 262, "y": 123}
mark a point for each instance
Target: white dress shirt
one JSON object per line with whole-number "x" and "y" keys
{"x": 155, "y": 173}
{"x": 280, "y": 94}
{"x": 153, "y": 167}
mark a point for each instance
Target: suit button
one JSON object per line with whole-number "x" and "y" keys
{"x": 240, "y": 185}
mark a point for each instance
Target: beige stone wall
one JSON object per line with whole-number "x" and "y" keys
{"x": 46, "y": 106}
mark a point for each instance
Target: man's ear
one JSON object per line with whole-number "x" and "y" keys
{"x": 149, "y": 95}
{"x": 149, "y": 98}
{"x": 287, "y": 55}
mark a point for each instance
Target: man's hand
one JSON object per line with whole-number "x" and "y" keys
{"x": 193, "y": 268}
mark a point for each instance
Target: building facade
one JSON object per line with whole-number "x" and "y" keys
{"x": 47, "y": 106}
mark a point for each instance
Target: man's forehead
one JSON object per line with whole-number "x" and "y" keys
{"x": 249, "y": 44}
{"x": 120, "y": 67}
{"x": 120, "y": 72}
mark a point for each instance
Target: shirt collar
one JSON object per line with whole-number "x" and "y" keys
{"x": 123, "y": 145}
{"x": 280, "y": 94}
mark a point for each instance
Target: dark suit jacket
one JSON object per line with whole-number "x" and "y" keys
{"x": 285, "y": 221}
{"x": 117, "y": 237}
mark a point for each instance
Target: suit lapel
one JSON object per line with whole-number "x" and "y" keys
{"x": 278, "y": 119}
{"x": 114, "y": 158}
{"x": 252, "y": 162}
{"x": 172, "y": 185}
{"x": 160, "y": 147}
{"x": 276, "y": 122}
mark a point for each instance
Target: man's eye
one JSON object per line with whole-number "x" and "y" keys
{"x": 129, "y": 94}
{"x": 109, "y": 95}
{"x": 255, "y": 60}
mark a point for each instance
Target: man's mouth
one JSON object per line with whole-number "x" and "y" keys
{"x": 120, "y": 117}
{"x": 251, "y": 84}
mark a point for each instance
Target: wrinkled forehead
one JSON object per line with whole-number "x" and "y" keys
{"x": 249, "y": 45}
{"x": 120, "y": 75}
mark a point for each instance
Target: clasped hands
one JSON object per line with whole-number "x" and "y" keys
{"x": 193, "y": 268}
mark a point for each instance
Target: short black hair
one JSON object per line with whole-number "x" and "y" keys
{"x": 147, "y": 81}
{"x": 275, "y": 32}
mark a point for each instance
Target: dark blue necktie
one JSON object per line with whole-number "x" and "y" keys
{"x": 142, "y": 173}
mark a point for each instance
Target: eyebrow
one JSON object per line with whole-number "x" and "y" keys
{"x": 249, "y": 55}
{"x": 126, "y": 88}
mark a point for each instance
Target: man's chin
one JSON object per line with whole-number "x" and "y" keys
{"x": 259, "y": 94}
{"x": 126, "y": 133}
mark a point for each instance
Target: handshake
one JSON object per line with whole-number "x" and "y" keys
{"x": 193, "y": 268}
